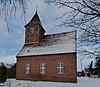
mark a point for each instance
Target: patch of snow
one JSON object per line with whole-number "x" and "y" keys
{"x": 82, "y": 82}
{"x": 9, "y": 65}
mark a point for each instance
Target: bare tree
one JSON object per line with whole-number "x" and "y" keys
{"x": 83, "y": 14}
{"x": 10, "y": 7}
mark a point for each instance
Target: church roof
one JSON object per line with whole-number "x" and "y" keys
{"x": 51, "y": 44}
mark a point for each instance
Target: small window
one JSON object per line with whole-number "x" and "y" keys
{"x": 32, "y": 30}
{"x": 27, "y": 67}
{"x": 42, "y": 68}
{"x": 60, "y": 68}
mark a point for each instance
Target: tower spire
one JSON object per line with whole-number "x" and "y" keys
{"x": 34, "y": 30}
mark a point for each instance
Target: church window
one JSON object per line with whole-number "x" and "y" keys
{"x": 32, "y": 30}
{"x": 42, "y": 68}
{"x": 27, "y": 67}
{"x": 60, "y": 68}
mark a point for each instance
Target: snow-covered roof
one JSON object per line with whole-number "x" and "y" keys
{"x": 51, "y": 44}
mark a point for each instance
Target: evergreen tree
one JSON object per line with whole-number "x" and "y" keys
{"x": 97, "y": 66}
{"x": 91, "y": 67}
{"x": 3, "y": 72}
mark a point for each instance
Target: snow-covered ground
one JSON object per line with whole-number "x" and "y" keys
{"x": 82, "y": 82}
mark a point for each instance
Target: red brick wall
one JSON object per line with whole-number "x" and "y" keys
{"x": 69, "y": 60}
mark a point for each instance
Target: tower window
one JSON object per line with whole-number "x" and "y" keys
{"x": 32, "y": 30}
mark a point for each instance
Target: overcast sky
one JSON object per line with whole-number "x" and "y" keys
{"x": 11, "y": 43}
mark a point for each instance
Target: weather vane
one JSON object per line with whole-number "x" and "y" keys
{"x": 36, "y": 7}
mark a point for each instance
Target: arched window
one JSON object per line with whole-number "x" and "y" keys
{"x": 27, "y": 68}
{"x": 60, "y": 68}
{"x": 42, "y": 68}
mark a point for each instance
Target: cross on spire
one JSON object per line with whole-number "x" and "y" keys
{"x": 36, "y": 7}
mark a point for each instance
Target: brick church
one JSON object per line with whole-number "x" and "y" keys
{"x": 47, "y": 57}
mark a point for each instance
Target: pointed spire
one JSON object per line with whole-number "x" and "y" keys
{"x": 35, "y": 19}
{"x": 36, "y": 13}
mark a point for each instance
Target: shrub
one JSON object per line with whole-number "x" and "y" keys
{"x": 3, "y": 72}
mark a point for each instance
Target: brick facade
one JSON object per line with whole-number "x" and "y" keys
{"x": 68, "y": 59}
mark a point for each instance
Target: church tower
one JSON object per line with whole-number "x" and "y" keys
{"x": 34, "y": 30}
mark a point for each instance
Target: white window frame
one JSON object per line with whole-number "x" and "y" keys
{"x": 42, "y": 68}
{"x": 32, "y": 29}
{"x": 27, "y": 68}
{"x": 60, "y": 68}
